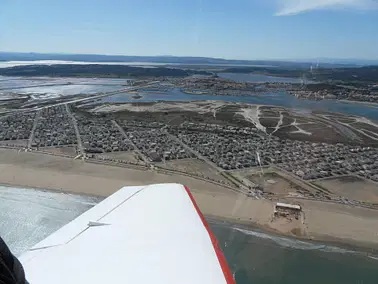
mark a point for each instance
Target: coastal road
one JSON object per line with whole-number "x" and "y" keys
{"x": 31, "y": 137}
{"x": 78, "y": 137}
{"x": 89, "y": 98}
{"x": 34, "y": 86}
{"x": 120, "y": 129}
{"x": 101, "y": 95}
{"x": 128, "y": 89}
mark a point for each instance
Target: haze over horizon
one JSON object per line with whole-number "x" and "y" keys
{"x": 243, "y": 29}
{"x": 134, "y": 58}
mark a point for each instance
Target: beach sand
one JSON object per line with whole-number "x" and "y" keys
{"x": 59, "y": 173}
{"x": 319, "y": 221}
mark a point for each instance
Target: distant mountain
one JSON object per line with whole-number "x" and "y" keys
{"x": 304, "y": 64}
{"x": 96, "y": 70}
{"x": 15, "y": 56}
{"x": 364, "y": 74}
{"x": 351, "y": 61}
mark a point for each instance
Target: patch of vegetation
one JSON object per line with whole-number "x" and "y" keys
{"x": 287, "y": 120}
{"x": 269, "y": 122}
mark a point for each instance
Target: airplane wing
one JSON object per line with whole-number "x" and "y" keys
{"x": 140, "y": 234}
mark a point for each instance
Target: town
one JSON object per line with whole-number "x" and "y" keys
{"x": 224, "y": 147}
{"x": 206, "y": 85}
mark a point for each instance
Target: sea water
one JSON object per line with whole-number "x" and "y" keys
{"x": 257, "y": 257}
{"x": 27, "y": 216}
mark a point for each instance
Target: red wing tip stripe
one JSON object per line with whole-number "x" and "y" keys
{"x": 221, "y": 258}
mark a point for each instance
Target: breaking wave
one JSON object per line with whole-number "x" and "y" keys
{"x": 295, "y": 244}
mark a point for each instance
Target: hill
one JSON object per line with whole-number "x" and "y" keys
{"x": 96, "y": 70}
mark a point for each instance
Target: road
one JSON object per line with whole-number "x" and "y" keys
{"x": 31, "y": 137}
{"x": 131, "y": 142}
{"x": 53, "y": 85}
{"x": 206, "y": 160}
{"x": 101, "y": 95}
{"x": 78, "y": 137}
{"x": 194, "y": 152}
{"x": 34, "y": 86}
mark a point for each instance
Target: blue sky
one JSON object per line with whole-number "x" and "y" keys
{"x": 240, "y": 29}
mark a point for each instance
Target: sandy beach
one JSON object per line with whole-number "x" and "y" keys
{"x": 320, "y": 221}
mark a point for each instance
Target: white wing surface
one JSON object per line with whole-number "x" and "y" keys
{"x": 140, "y": 234}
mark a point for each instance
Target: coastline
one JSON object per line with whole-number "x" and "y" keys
{"x": 371, "y": 104}
{"x": 330, "y": 223}
{"x": 368, "y": 104}
{"x": 367, "y": 249}
{"x": 332, "y": 232}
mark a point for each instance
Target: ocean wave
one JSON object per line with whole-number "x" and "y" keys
{"x": 296, "y": 244}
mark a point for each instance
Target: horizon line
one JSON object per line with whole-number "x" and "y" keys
{"x": 299, "y": 60}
